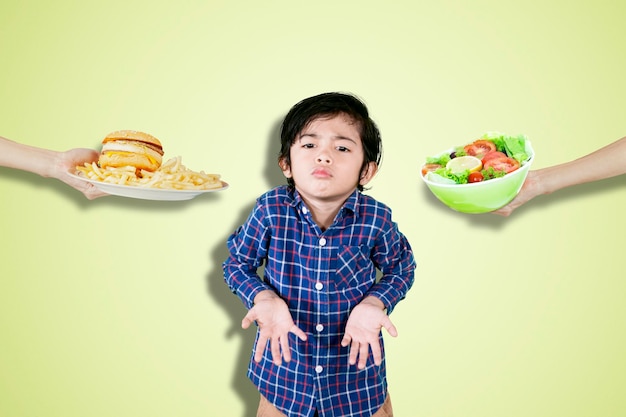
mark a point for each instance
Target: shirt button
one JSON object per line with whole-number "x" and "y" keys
{"x": 319, "y": 369}
{"x": 319, "y": 286}
{"x": 322, "y": 241}
{"x": 319, "y": 327}
{"x": 305, "y": 210}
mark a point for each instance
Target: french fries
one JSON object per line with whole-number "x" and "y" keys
{"x": 172, "y": 175}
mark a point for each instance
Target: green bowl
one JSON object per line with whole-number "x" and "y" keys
{"x": 481, "y": 197}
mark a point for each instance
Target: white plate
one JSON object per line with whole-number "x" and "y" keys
{"x": 147, "y": 193}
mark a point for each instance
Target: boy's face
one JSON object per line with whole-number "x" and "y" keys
{"x": 326, "y": 160}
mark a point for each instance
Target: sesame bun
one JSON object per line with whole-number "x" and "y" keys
{"x": 132, "y": 135}
{"x": 131, "y": 148}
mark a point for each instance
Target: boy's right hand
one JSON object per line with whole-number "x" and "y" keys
{"x": 275, "y": 323}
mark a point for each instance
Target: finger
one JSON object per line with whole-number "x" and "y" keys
{"x": 391, "y": 329}
{"x": 504, "y": 211}
{"x": 376, "y": 353}
{"x": 92, "y": 192}
{"x": 248, "y": 319}
{"x": 354, "y": 352}
{"x": 284, "y": 347}
{"x": 260, "y": 347}
{"x": 346, "y": 340}
{"x": 298, "y": 332}
{"x": 363, "y": 353}
{"x": 275, "y": 349}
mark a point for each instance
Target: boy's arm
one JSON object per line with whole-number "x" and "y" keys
{"x": 394, "y": 257}
{"x": 243, "y": 281}
{"x": 247, "y": 249}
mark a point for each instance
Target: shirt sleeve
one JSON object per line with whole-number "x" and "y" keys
{"x": 393, "y": 256}
{"x": 247, "y": 248}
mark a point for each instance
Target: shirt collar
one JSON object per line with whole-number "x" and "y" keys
{"x": 349, "y": 206}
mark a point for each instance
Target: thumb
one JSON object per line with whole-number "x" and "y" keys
{"x": 298, "y": 332}
{"x": 248, "y": 319}
{"x": 391, "y": 329}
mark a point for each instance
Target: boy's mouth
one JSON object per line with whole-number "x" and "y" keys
{"x": 321, "y": 173}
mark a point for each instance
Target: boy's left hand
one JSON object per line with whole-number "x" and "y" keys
{"x": 363, "y": 328}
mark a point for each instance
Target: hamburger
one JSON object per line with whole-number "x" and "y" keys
{"x": 131, "y": 148}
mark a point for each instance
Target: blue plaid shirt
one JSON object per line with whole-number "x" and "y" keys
{"x": 321, "y": 275}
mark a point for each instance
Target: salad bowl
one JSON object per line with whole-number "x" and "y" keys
{"x": 479, "y": 197}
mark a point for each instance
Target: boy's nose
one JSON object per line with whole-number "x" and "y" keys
{"x": 323, "y": 159}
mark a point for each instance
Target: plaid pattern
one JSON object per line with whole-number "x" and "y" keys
{"x": 321, "y": 275}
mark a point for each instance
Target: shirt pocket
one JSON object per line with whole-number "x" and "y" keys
{"x": 353, "y": 268}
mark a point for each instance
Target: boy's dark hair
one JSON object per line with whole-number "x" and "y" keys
{"x": 330, "y": 105}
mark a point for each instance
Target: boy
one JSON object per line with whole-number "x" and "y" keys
{"x": 320, "y": 307}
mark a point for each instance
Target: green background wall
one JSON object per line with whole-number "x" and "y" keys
{"x": 117, "y": 307}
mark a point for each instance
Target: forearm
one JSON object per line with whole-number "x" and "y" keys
{"x": 397, "y": 264}
{"x": 242, "y": 277}
{"x": 604, "y": 163}
{"x": 390, "y": 290}
{"x": 248, "y": 287}
{"x": 264, "y": 295}
{"x": 373, "y": 301}
{"x": 27, "y": 158}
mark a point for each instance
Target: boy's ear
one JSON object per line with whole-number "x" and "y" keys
{"x": 368, "y": 173}
{"x": 284, "y": 166}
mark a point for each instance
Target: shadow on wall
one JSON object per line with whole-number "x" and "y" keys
{"x": 221, "y": 295}
{"x": 217, "y": 288}
{"x": 564, "y": 197}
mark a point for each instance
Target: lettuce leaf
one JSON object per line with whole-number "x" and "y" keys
{"x": 460, "y": 178}
{"x": 513, "y": 146}
{"x": 442, "y": 159}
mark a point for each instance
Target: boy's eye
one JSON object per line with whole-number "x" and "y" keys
{"x": 308, "y": 145}
{"x": 342, "y": 149}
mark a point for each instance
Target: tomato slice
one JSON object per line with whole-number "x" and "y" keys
{"x": 492, "y": 154}
{"x": 479, "y": 147}
{"x": 475, "y": 177}
{"x": 429, "y": 167}
{"x": 502, "y": 163}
